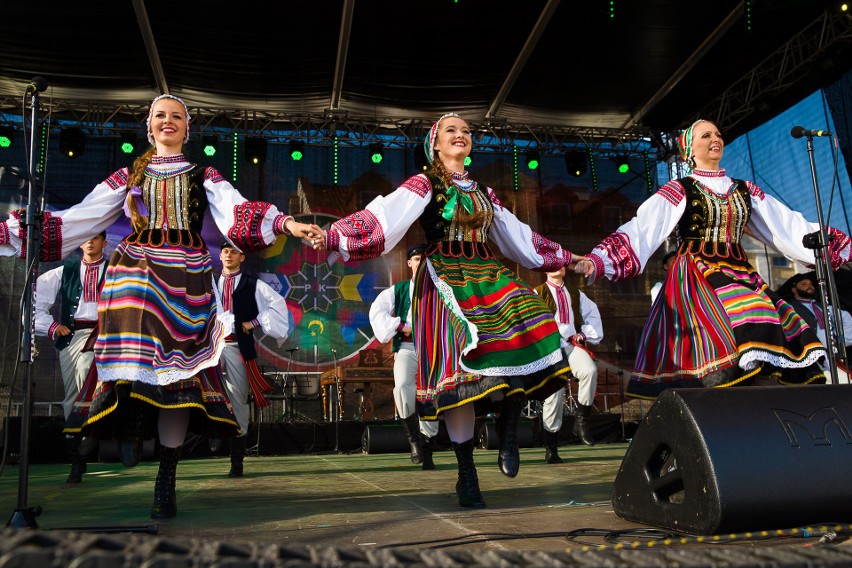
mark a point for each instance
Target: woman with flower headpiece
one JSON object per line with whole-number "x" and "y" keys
{"x": 158, "y": 339}
{"x": 485, "y": 341}
{"x": 715, "y": 323}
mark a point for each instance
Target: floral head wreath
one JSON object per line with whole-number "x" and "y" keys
{"x": 151, "y": 110}
{"x": 429, "y": 142}
{"x": 684, "y": 142}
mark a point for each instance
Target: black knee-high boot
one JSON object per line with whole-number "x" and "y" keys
{"x": 132, "y": 432}
{"x": 581, "y": 424}
{"x": 428, "y": 448}
{"x": 77, "y": 459}
{"x": 508, "y": 457}
{"x": 238, "y": 452}
{"x": 412, "y": 429}
{"x": 467, "y": 486}
{"x": 165, "y": 501}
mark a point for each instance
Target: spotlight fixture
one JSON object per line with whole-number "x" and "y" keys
{"x": 209, "y": 145}
{"x": 532, "y": 160}
{"x": 255, "y": 149}
{"x": 7, "y": 136}
{"x": 622, "y": 162}
{"x": 297, "y": 150}
{"x": 127, "y": 143}
{"x": 576, "y": 162}
{"x": 72, "y": 142}
{"x": 377, "y": 152}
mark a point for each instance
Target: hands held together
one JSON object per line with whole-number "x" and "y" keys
{"x": 582, "y": 265}
{"x": 311, "y": 234}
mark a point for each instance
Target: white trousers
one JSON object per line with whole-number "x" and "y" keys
{"x": 236, "y": 383}
{"x": 584, "y": 369}
{"x": 74, "y": 366}
{"x": 405, "y": 386}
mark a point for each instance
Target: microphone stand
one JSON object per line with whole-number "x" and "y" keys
{"x": 819, "y": 241}
{"x": 286, "y": 381}
{"x": 24, "y": 516}
{"x": 338, "y": 408}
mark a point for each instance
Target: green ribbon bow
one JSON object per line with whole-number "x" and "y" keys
{"x": 453, "y": 195}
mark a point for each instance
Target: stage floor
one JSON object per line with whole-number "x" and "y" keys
{"x": 362, "y": 502}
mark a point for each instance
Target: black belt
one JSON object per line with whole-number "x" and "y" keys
{"x": 81, "y": 324}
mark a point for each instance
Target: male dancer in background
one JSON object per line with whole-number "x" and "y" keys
{"x": 78, "y": 283}
{"x": 390, "y": 316}
{"x": 246, "y": 303}
{"x": 579, "y": 322}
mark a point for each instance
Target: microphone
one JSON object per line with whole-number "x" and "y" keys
{"x": 37, "y": 84}
{"x": 292, "y": 349}
{"x": 798, "y": 132}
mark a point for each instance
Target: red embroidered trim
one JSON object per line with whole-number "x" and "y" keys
{"x": 621, "y": 255}
{"x": 672, "y": 192}
{"x": 278, "y": 226}
{"x": 213, "y": 175}
{"x": 332, "y": 240}
{"x": 553, "y": 256}
{"x": 246, "y": 230}
{"x": 418, "y": 185}
{"x": 118, "y": 179}
{"x": 600, "y": 267}
{"x": 51, "y": 234}
{"x": 363, "y": 233}
{"x": 494, "y": 199}
{"x": 838, "y": 244}
{"x": 755, "y": 191}
{"x": 4, "y": 233}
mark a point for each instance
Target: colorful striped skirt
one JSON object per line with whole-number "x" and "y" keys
{"x": 158, "y": 339}
{"x": 716, "y": 323}
{"x": 480, "y": 330}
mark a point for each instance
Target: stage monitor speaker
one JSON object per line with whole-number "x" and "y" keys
{"x": 391, "y": 439}
{"x": 714, "y": 461}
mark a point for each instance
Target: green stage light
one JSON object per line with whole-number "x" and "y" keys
{"x": 7, "y": 136}
{"x": 468, "y": 161}
{"x": 623, "y": 164}
{"x": 127, "y": 143}
{"x": 532, "y": 160}
{"x": 376, "y": 152}
{"x": 297, "y": 150}
{"x": 209, "y": 145}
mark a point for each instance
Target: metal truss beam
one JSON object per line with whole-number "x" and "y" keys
{"x": 779, "y": 71}
{"x": 102, "y": 119}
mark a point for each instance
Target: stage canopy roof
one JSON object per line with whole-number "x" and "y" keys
{"x": 613, "y": 64}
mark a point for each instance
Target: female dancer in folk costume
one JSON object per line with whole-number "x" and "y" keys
{"x": 158, "y": 335}
{"x": 716, "y": 323}
{"x": 484, "y": 340}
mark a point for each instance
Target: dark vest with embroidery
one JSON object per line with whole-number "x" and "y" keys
{"x": 245, "y": 309}
{"x": 182, "y": 209}
{"x": 401, "y": 305}
{"x": 70, "y": 292}
{"x": 713, "y": 225}
{"x": 543, "y": 290}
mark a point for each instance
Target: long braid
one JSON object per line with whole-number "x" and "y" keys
{"x": 137, "y": 221}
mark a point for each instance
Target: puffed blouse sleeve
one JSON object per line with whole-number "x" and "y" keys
{"x": 625, "y": 253}
{"x": 249, "y": 225}
{"x": 518, "y": 242}
{"x": 380, "y": 226}
{"x": 778, "y": 226}
{"x": 64, "y": 231}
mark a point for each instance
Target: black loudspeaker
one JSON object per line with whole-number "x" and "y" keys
{"x": 712, "y": 461}
{"x": 385, "y": 440}
{"x": 489, "y": 440}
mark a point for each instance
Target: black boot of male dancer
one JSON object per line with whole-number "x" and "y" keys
{"x": 78, "y": 460}
{"x": 581, "y": 424}
{"x": 551, "y": 446}
{"x": 428, "y": 448}
{"x": 238, "y": 453}
{"x": 412, "y": 430}
{"x": 509, "y": 457}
